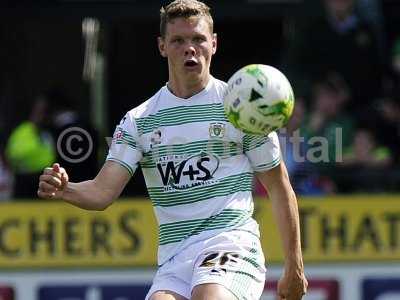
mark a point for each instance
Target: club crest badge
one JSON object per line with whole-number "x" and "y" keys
{"x": 217, "y": 130}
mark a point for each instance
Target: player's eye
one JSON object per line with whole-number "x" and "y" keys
{"x": 199, "y": 39}
{"x": 177, "y": 40}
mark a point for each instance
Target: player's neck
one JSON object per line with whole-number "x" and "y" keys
{"x": 187, "y": 88}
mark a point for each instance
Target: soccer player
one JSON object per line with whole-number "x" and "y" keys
{"x": 199, "y": 171}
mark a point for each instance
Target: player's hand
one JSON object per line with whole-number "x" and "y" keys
{"x": 292, "y": 285}
{"x": 53, "y": 182}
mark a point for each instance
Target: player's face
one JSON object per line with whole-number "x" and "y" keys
{"x": 189, "y": 45}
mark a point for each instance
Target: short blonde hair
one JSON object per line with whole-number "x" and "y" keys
{"x": 184, "y": 9}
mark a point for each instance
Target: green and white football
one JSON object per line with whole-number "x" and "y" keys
{"x": 259, "y": 99}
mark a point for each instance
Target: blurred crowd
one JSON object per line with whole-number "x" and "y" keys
{"x": 346, "y": 122}
{"x": 35, "y": 144}
{"x": 344, "y": 135}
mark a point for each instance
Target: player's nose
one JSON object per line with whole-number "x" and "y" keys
{"x": 190, "y": 50}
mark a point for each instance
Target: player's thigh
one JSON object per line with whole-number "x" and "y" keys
{"x": 166, "y": 295}
{"x": 211, "y": 291}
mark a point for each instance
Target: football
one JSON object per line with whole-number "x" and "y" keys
{"x": 259, "y": 99}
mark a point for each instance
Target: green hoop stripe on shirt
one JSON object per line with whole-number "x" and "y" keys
{"x": 127, "y": 140}
{"x": 182, "y": 115}
{"x": 229, "y": 185}
{"x": 149, "y": 127}
{"x": 178, "y": 231}
{"x": 194, "y": 147}
{"x": 125, "y": 165}
{"x": 166, "y": 112}
{"x": 251, "y": 142}
{"x": 205, "y": 194}
{"x": 270, "y": 165}
{"x": 217, "y": 147}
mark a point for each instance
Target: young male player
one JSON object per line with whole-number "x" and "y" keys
{"x": 199, "y": 171}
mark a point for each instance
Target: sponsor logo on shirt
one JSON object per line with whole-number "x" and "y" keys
{"x": 180, "y": 172}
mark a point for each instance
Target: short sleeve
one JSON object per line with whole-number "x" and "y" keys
{"x": 125, "y": 148}
{"x": 263, "y": 152}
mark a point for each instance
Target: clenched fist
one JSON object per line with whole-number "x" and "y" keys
{"x": 52, "y": 182}
{"x": 292, "y": 286}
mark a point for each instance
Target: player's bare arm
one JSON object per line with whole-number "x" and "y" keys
{"x": 95, "y": 194}
{"x": 293, "y": 283}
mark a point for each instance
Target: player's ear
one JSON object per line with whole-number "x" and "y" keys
{"x": 214, "y": 43}
{"x": 161, "y": 46}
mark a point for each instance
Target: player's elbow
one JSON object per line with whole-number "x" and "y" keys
{"x": 102, "y": 205}
{"x": 99, "y": 208}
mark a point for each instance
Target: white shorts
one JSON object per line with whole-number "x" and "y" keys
{"x": 232, "y": 259}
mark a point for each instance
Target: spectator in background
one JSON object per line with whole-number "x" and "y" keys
{"x": 341, "y": 42}
{"x": 365, "y": 152}
{"x": 77, "y": 140}
{"x": 327, "y": 117}
{"x": 363, "y": 163}
{"x": 29, "y": 149}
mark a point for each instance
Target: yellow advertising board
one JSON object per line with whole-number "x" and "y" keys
{"x": 339, "y": 229}
{"x": 49, "y": 234}
{"x": 54, "y": 234}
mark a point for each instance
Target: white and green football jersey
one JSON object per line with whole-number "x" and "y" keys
{"x": 198, "y": 168}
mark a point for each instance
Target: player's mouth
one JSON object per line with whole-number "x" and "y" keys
{"x": 191, "y": 64}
